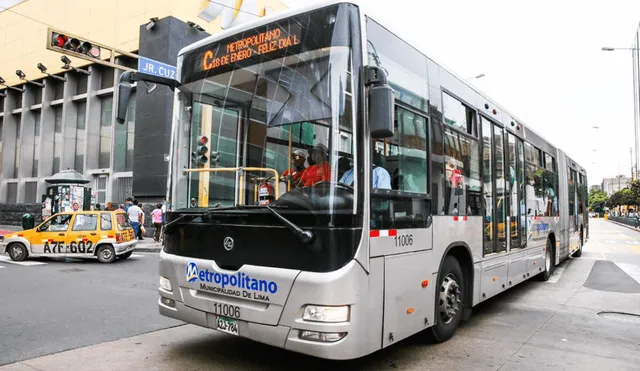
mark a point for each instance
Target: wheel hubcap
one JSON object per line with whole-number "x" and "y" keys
{"x": 106, "y": 254}
{"x": 449, "y": 298}
{"x": 17, "y": 252}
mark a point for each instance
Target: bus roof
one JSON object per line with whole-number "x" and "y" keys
{"x": 377, "y": 12}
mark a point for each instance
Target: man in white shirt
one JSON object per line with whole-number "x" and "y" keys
{"x": 135, "y": 217}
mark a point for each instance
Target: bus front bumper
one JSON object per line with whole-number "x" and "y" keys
{"x": 278, "y": 336}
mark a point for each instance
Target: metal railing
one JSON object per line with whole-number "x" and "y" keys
{"x": 633, "y": 222}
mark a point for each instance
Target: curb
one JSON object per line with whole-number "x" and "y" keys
{"x": 624, "y": 225}
{"x": 147, "y": 249}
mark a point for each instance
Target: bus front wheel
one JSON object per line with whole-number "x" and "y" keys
{"x": 449, "y": 301}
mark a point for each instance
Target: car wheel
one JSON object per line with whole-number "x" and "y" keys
{"x": 106, "y": 254}
{"x": 125, "y": 255}
{"x": 449, "y": 301}
{"x": 18, "y": 252}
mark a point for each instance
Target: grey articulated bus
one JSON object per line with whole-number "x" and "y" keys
{"x": 333, "y": 190}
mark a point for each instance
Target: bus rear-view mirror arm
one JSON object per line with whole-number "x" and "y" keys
{"x": 125, "y": 87}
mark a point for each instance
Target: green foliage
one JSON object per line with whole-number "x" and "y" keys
{"x": 598, "y": 199}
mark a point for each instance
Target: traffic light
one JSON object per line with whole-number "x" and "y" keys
{"x": 74, "y": 44}
{"x": 215, "y": 158}
{"x": 200, "y": 154}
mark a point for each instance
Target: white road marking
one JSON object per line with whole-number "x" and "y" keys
{"x": 7, "y": 259}
{"x": 1, "y": 266}
{"x": 632, "y": 270}
{"x": 136, "y": 256}
{"x": 557, "y": 273}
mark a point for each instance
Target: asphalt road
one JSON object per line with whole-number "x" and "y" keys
{"x": 562, "y": 324}
{"x": 50, "y": 305}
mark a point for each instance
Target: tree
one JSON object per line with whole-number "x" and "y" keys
{"x": 598, "y": 199}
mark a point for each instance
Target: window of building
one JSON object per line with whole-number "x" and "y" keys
{"x": 81, "y": 83}
{"x": 31, "y": 192}
{"x": 399, "y": 179}
{"x": 101, "y": 189}
{"x": 458, "y": 115}
{"x": 104, "y": 157}
{"x": 12, "y": 193}
{"x": 81, "y": 119}
{"x": 406, "y": 67}
{"x": 36, "y": 143}
{"x": 16, "y": 154}
{"x": 58, "y": 89}
{"x": 124, "y": 135}
{"x": 57, "y": 138}
{"x": 106, "y": 77}
{"x": 105, "y": 221}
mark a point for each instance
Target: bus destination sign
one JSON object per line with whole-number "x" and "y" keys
{"x": 262, "y": 43}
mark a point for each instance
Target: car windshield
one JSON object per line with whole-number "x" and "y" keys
{"x": 272, "y": 119}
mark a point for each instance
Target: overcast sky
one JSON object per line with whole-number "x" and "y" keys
{"x": 543, "y": 62}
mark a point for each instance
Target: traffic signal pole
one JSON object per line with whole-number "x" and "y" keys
{"x": 80, "y": 47}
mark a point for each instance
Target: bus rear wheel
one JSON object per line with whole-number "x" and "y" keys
{"x": 548, "y": 263}
{"x": 578, "y": 253}
{"x": 449, "y": 301}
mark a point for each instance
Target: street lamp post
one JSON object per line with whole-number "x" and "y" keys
{"x": 636, "y": 103}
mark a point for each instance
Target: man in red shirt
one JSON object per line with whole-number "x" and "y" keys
{"x": 321, "y": 170}
{"x": 295, "y": 174}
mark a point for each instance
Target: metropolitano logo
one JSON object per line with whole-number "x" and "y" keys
{"x": 192, "y": 272}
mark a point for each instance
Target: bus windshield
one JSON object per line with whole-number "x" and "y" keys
{"x": 271, "y": 117}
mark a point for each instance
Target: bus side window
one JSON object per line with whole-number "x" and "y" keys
{"x": 399, "y": 175}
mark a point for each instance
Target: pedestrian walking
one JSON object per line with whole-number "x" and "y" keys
{"x": 157, "y": 215}
{"x": 142, "y": 230}
{"x": 135, "y": 217}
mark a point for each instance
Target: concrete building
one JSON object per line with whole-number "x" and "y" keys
{"x": 613, "y": 185}
{"x": 595, "y": 187}
{"x": 65, "y": 119}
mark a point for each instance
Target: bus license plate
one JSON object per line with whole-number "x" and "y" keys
{"x": 230, "y": 326}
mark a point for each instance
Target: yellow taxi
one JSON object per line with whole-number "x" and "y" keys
{"x": 102, "y": 234}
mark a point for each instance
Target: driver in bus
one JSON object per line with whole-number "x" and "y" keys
{"x": 321, "y": 170}
{"x": 381, "y": 178}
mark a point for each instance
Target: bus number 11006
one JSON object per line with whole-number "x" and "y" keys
{"x": 404, "y": 240}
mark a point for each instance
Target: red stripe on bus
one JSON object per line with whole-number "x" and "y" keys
{"x": 393, "y": 232}
{"x": 375, "y": 233}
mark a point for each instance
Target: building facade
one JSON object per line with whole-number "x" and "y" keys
{"x": 65, "y": 118}
{"x": 613, "y": 185}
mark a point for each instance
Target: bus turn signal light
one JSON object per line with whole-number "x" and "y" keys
{"x": 425, "y": 283}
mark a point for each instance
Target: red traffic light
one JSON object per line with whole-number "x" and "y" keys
{"x": 58, "y": 40}
{"x": 203, "y": 140}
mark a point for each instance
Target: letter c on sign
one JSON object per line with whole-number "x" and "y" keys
{"x": 207, "y": 61}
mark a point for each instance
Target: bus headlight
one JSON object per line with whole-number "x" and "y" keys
{"x": 165, "y": 284}
{"x": 318, "y": 313}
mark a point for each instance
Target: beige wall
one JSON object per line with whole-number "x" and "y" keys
{"x": 111, "y": 22}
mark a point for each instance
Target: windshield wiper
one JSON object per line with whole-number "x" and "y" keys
{"x": 305, "y": 236}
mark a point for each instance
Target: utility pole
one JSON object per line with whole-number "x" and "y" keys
{"x": 631, "y": 159}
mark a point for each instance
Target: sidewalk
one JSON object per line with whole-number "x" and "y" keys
{"x": 624, "y": 225}
{"x": 146, "y": 245}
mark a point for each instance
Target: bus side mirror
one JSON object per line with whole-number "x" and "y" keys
{"x": 124, "y": 94}
{"x": 381, "y": 103}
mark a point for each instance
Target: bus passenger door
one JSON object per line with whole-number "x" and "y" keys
{"x": 401, "y": 226}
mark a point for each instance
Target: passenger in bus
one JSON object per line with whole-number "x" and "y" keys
{"x": 321, "y": 170}
{"x": 294, "y": 174}
{"x": 381, "y": 177}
